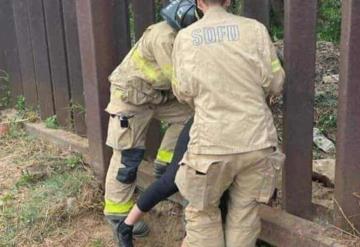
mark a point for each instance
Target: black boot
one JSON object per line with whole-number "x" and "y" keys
{"x": 125, "y": 235}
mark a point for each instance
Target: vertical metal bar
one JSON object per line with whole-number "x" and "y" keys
{"x": 122, "y": 28}
{"x": 58, "y": 64}
{"x": 259, "y": 10}
{"x": 347, "y": 179}
{"x": 25, "y": 52}
{"x": 98, "y": 58}
{"x": 41, "y": 58}
{"x": 300, "y": 48}
{"x": 74, "y": 65}
{"x": 144, "y": 15}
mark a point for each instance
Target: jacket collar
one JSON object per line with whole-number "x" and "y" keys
{"x": 215, "y": 10}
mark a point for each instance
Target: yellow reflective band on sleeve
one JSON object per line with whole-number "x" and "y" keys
{"x": 117, "y": 94}
{"x": 118, "y": 208}
{"x": 164, "y": 156}
{"x": 150, "y": 71}
{"x": 276, "y": 65}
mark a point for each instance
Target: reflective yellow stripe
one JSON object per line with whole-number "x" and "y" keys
{"x": 118, "y": 208}
{"x": 276, "y": 65}
{"x": 164, "y": 156}
{"x": 150, "y": 71}
{"x": 117, "y": 94}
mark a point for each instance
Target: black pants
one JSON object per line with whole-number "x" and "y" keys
{"x": 165, "y": 186}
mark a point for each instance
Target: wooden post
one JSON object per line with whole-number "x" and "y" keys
{"x": 122, "y": 29}
{"x": 144, "y": 15}
{"x": 8, "y": 49}
{"x": 26, "y": 59}
{"x": 300, "y": 48}
{"x": 58, "y": 63}
{"x": 347, "y": 179}
{"x": 41, "y": 58}
{"x": 74, "y": 66}
{"x": 98, "y": 59}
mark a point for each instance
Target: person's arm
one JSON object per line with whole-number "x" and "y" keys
{"x": 273, "y": 73}
{"x": 182, "y": 86}
{"x": 164, "y": 186}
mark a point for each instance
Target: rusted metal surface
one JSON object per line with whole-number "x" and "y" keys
{"x": 58, "y": 63}
{"x": 74, "y": 65}
{"x": 122, "y": 28}
{"x": 144, "y": 15}
{"x": 347, "y": 179}
{"x": 41, "y": 58}
{"x": 25, "y": 52}
{"x": 98, "y": 58}
{"x": 258, "y": 9}
{"x": 300, "y": 47}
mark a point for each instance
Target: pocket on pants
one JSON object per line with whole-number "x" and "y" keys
{"x": 119, "y": 137}
{"x": 192, "y": 179}
{"x": 192, "y": 185}
{"x": 273, "y": 164}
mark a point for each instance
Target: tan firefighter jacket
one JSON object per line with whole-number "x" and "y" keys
{"x": 145, "y": 73}
{"x": 224, "y": 67}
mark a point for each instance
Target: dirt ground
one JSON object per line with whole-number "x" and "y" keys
{"x": 85, "y": 226}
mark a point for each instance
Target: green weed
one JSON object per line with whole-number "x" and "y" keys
{"x": 329, "y": 25}
{"x": 20, "y": 104}
{"x": 25, "y": 180}
{"x": 5, "y": 96}
{"x": 97, "y": 243}
{"x": 51, "y": 122}
{"x": 74, "y": 160}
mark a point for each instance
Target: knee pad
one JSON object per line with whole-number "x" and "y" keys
{"x": 131, "y": 159}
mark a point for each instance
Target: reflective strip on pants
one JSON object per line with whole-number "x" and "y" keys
{"x": 164, "y": 156}
{"x": 117, "y": 208}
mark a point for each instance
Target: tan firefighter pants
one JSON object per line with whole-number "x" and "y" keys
{"x": 128, "y": 145}
{"x": 202, "y": 179}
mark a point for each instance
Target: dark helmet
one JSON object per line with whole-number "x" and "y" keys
{"x": 180, "y": 13}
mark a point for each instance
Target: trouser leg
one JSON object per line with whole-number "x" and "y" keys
{"x": 176, "y": 115}
{"x": 204, "y": 227}
{"x": 120, "y": 181}
{"x": 254, "y": 183}
{"x": 202, "y": 180}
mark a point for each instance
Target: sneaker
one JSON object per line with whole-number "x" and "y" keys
{"x": 139, "y": 230}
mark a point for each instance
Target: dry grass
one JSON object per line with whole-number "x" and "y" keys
{"x": 47, "y": 189}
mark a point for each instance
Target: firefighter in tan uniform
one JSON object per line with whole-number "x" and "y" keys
{"x": 141, "y": 91}
{"x": 225, "y": 66}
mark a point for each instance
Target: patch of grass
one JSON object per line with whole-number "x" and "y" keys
{"x": 51, "y": 122}
{"x": 326, "y": 106}
{"x": 4, "y": 89}
{"x": 20, "y": 104}
{"x": 26, "y": 179}
{"x": 39, "y": 207}
{"x": 329, "y": 26}
{"x": 97, "y": 243}
{"x": 74, "y": 160}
